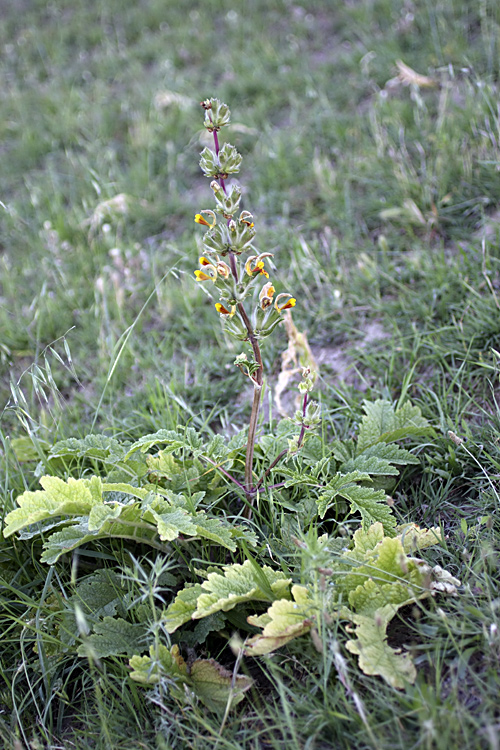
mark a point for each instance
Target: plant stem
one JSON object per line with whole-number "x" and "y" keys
{"x": 257, "y": 378}
{"x": 285, "y": 451}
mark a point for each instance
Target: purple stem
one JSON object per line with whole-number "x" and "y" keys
{"x": 226, "y": 473}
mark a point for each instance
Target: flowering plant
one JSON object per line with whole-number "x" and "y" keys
{"x": 230, "y": 234}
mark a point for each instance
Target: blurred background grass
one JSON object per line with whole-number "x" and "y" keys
{"x": 372, "y": 194}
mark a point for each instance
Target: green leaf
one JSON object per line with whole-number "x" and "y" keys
{"x": 114, "y": 637}
{"x": 370, "y": 503}
{"x": 283, "y": 621}
{"x": 208, "y": 625}
{"x": 64, "y": 541}
{"x": 382, "y": 423}
{"x": 91, "y": 446}
{"x": 370, "y": 465}
{"x": 215, "y": 686}
{"x": 215, "y": 529}
{"x": 156, "y": 438}
{"x": 392, "y": 453}
{"x": 100, "y": 594}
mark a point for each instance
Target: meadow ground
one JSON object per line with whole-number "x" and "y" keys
{"x": 370, "y": 136}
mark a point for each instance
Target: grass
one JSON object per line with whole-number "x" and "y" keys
{"x": 379, "y": 202}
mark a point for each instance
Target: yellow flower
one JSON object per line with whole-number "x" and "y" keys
{"x": 266, "y": 296}
{"x": 200, "y": 219}
{"x": 291, "y": 302}
{"x": 209, "y": 272}
{"x": 223, "y": 311}
{"x": 255, "y": 264}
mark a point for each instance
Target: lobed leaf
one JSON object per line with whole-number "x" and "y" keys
{"x": 283, "y": 621}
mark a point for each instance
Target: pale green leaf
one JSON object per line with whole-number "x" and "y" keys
{"x": 182, "y": 608}
{"x": 99, "y": 514}
{"x": 283, "y": 621}
{"x": 238, "y": 583}
{"x": 414, "y": 538}
{"x": 376, "y": 657}
{"x": 59, "y": 498}
{"x": 127, "y": 489}
{"x": 173, "y": 522}
{"x": 161, "y": 662}
{"x": 163, "y": 464}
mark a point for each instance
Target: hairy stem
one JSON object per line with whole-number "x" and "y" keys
{"x": 285, "y": 451}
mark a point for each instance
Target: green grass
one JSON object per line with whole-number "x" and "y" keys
{"x": 379, "y": 203}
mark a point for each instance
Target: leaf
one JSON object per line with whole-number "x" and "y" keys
{"x": 392, "y": 453}
{"x": 414, "y": 538}
{"x": 182, "y": 608}
{"x": 58, "y": 498}
{"x": 283, "y": 621}
{"x": 370, "y": 465}
{"x": 214, "y": 685}
{"x": 99, "y": 514}
{"x": 208, "y": 625}
{"x": 163, "y": 465}
{"x": 162, "y": 662}
{"x": 64, "y": 541}
{"x": 378, "y": 419}
{"x": 370, "y": 503}
{"x": 173, "y": 522}
{"x": 126, "y": 489}
{"x": 100, "y": 594}
{"x": 113, "y": 637}
{"x": 382, "y": 423}
{"x": 376, "y": 657}
{"x": 91, "y": 446}
{"x": 156, "y": 438}
{"x": 239, "y": 583}
{"x": 215, "y": 529}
